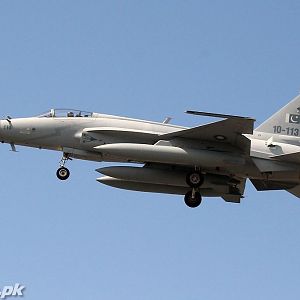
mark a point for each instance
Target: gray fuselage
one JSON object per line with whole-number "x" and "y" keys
{"x": 75, "y": 135}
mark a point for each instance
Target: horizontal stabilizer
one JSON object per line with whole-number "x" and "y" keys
{"x": 291, "y": 157}
{"x": 268, "y": 165}
{"x": 295, "y": 191}
{"x": 270, "y": 185}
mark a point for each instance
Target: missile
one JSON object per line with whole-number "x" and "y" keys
{"x": 163, "y": 177}
{"x": 171, "y": 155}
{"x": 153, "y": 188}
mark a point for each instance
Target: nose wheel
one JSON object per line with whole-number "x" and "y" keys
{"x": 63, "y": 173}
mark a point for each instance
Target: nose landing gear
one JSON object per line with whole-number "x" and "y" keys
{"x": 63, "y": 173}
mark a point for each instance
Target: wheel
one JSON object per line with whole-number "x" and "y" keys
{"x": 191, "y": 201}
{"x": 194, "y": 179}
{"x": 63, "y": 173}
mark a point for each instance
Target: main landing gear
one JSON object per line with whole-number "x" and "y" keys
{"x": 193, "y": 198}
{"x": 63, "y": 173}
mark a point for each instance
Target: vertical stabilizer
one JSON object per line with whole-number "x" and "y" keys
{"x": 286, "y": 119}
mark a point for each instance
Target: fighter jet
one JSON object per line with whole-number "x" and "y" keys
{"x": 210, "y": 160}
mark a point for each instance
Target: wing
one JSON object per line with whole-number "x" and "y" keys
{"x": 229, "y": 131}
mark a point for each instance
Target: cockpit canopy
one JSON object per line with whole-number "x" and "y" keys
{"x": 67, "y": 113}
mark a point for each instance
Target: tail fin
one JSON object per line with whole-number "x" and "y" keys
{"x": 287, "y": 118}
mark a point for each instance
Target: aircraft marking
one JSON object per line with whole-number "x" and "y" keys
{"x": 287, "y": 130}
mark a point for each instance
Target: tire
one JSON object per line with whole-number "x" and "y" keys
{"x": 191, "y": 201}
{"x": 194, "y": 179}
{"x": 63, "y": 173}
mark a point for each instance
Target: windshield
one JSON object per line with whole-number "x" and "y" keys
{"x": 66, "y": 113}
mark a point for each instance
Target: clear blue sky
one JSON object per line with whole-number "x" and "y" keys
{"x": 145, "y": 59}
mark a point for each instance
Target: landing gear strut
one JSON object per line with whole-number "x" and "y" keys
{"x": 63, "y": 173}
{"x": 194, "y": 179}
{"x": 193, "y": 198}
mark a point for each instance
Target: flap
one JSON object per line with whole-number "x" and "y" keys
{"x": 228, "y": 131}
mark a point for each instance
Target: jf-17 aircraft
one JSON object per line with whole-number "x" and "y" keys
{"x": 211, "y": 160}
